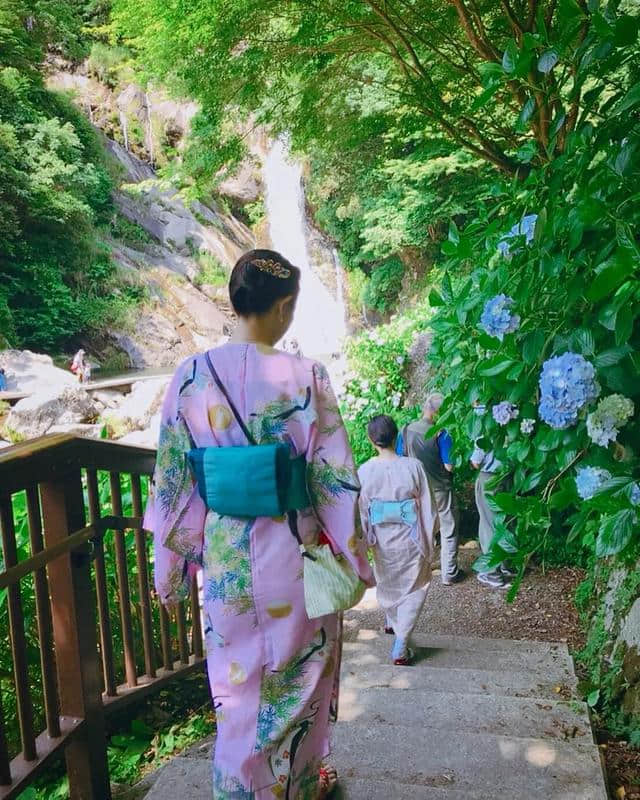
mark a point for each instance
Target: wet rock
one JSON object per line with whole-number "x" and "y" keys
{"x": 35, "y": 415}
{"x": 86, "y": 430}
{"x": 137, "y": 409}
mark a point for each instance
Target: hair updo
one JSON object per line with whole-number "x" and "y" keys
{"x": 259, "y": 279}
{"x": 382, "y": 431}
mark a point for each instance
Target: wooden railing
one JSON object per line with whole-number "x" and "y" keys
{"x": 79, "y": 657}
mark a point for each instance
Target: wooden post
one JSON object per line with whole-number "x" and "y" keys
{"x": 74, "y": 631}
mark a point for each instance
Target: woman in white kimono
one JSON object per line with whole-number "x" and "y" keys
{"x": 398, "y": 518}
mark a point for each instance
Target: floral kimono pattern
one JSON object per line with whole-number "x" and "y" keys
{"x": 273, "y": 672}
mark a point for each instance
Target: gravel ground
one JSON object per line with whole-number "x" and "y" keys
{"x": 543, "y": 609}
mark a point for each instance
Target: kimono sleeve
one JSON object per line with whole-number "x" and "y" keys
{"x": 363, "y": 503}
{"x": 333, "y": 484}
{"x": 175, "y": 513}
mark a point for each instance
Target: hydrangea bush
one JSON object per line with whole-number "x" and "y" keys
{"x": 568, "y": 361}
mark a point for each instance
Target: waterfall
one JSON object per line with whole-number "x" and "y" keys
{"x": 149, "y": 130}
{"x": 320, "y": 321}
{"x": 124, "y": 128}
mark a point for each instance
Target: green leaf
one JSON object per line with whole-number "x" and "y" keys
{"x": 632, "y": 98}
{"x": 610, "y": 357}
{"x": 495, "y": 366}
{"x": 532, "y": 480}
{"x": 435, "y": 299}
{"x": 615, "y": 533}
{"x": 624, "y": 324}
{"x": 593, "y": 697}
{"x": 449, "y": 248}
{"x": 614, "y": 272}
{"x": 526, "y": 113}
{"x": 547, "y": 61}
{"x": 447, "y": 289}
{"x": 532, "y": 346}
{"x": 585, "y": 341}
{"x": 483, "y": 98}
{"x": 454, "y": 233}
{"x": 504, "y": 501}
{"x": 510, "y": 57}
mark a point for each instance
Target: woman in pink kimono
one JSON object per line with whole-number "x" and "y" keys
{"x": 273, "y": 672}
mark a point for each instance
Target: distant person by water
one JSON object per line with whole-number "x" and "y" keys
{"x": 78, "y": 365}
{"x": 398, "y": 518}
{"x": 273, "y": 671}
{"x": 3, "y": 380}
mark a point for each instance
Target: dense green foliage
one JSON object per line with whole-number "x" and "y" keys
{"x": 404, "y": 107}
{"x": 55, "y": 189}
{"x": 377, "y": 382}
{"x": 575, "y": 288}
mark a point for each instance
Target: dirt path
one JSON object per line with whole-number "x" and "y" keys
{"x": 543, "y": 609}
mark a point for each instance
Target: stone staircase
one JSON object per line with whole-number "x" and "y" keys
{"x": 473, "y": 719}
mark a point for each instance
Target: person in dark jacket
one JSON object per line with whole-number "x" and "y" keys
{"x": 435, "y": 455}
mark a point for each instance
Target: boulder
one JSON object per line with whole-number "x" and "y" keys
{"x": 35, "y": 415}
{"x": 78, "y": 429}
{"x": 110, "y": 398}
{"x": 146, "y": 438}
{"x": 137, "y": 409}
{"x": 34, "y": 373}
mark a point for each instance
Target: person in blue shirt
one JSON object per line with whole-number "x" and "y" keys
{"x": 3, "y": 380}
{"x": 435, "y": 454}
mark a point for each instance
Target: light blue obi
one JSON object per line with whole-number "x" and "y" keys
{"x": 402, "y": 511}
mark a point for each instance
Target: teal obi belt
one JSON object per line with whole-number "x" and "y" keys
{"x": 254, "y": 481}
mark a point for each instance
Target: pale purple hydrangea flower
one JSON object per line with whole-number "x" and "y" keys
{"x": 567, "y": 384}
{"x": 497, "y": 319}
{"x": 504, "y": 412}
{"x": 589, "y": 480}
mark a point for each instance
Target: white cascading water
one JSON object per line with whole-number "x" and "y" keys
{"x": 320, "y": 321}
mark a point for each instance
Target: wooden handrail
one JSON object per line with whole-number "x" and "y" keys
{"x": 48, "y": 456}
{"x": 68, "y": 545}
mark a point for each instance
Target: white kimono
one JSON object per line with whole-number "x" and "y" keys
{"x": 401, "y": 551}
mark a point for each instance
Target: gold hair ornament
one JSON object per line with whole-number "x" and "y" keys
{"x": 272, "y": 267}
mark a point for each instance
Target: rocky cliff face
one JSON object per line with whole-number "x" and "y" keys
{"x": 183, "y": 246}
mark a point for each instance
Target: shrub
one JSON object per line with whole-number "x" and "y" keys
{"x": 383, "y": 287}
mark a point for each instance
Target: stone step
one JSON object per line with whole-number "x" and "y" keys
{"x": 472, "y": 681}
{"x": 481, "y": 765}
{"x": 440, "y": 642}
{"x": 552, "y": 665}
{"x": 450, "y": 712}
{"x": 360, "y": 789}
{"x": 183, "y": 779}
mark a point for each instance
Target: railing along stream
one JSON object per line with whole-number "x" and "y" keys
{"x": 86, "y": 632}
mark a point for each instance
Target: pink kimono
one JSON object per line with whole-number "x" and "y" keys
{"x": 273, "y": 672}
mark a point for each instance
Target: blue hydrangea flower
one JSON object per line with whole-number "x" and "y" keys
{"x": 567, "y": 384}
{"x": 526, "y": 227}
{"x": 497, "y": 318}
{"x": 635, "y": 494}
{"x": 504, "y": 412}
{"x": 589, "y": 480}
